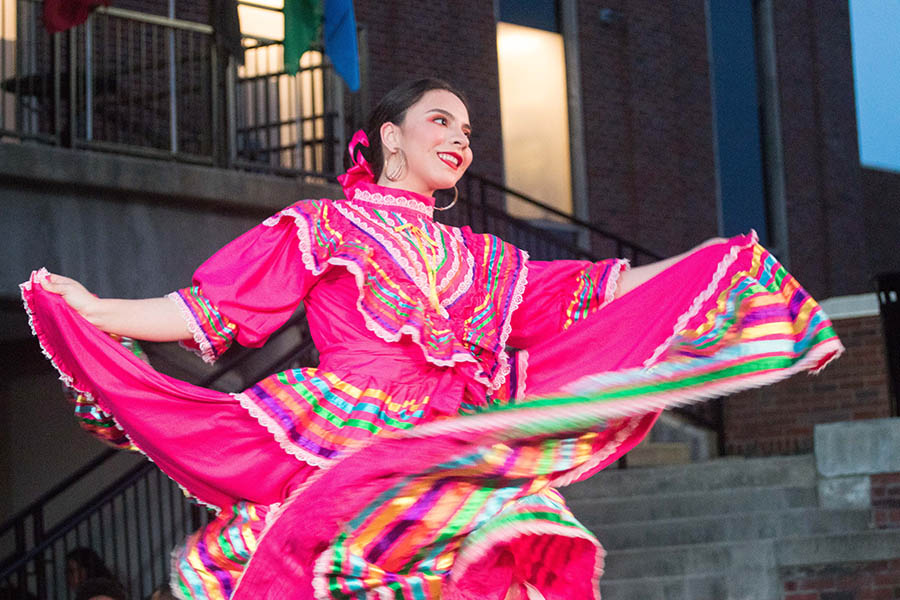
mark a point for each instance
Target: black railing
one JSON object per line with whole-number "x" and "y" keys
{"x": 554, "y": 234}
{"x": 134, "y": 522}
{"x": 134, "y": 82}
{"x": 889, "y": 305}
{"x": 482, "y": 205}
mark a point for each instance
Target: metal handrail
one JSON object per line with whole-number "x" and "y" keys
{"x": 555, "y": 211}
{"x": 76, "y": 517}
{"x": 56, "y": 490}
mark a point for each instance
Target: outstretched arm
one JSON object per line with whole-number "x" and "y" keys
{"x": 151, "y": 319}
{"x": 635, "y": 276}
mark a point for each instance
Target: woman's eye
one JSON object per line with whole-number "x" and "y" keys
{"x": 440, "y": 120}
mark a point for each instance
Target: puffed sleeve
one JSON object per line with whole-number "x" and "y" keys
{"x": 252, "y": 286}
{"x": 559, "y": 293}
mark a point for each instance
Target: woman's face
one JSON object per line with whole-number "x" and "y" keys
{"x": 434, "y": 137}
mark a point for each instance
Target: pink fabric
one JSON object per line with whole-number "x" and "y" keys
{"x": 193, "y": 434}
{"x": 209, "y": 443}
{"x": 361, "y": 171}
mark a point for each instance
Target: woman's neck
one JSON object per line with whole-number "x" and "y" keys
{"x": 404, "y": 185}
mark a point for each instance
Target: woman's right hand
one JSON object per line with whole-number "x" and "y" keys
{"x": 151, "y": 319}
{"x": 76, "y": 295}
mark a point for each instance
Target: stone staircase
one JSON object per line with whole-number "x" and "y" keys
{"x": 716, "y": 530}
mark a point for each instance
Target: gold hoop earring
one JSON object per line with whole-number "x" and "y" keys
{"x": 393, "y": 174}
{"x": 449, "y": 206}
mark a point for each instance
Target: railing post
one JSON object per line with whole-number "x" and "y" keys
{"x": 39, "y": 568}
{"x": 89, "y": 78}
{"x": 214, "y": 104}
{"x": 57, "y": 91}
{"x": 231, "y": 111}
{"x": 73, "y": 87}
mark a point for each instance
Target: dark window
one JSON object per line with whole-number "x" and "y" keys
{"x": 540, "y": 14}
{"x": 737, "y": 117}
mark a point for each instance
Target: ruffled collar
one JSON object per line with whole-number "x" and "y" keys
{"x": 359, "y": 185}
{"x": 392, "y": 198}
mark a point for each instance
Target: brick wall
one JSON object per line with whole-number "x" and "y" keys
{"x": 885, "y": 494}
{"x": 455, "y": 40}
{"x": 779, "y": 419}
{"x": 821, "y": 156}
{"x": 648, "y": 122}
{"x": 877, "y": 580}
{"x": 881, "y": 194}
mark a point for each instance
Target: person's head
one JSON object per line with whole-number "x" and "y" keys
{"x": 83, "y": 564}
{"x": 419, "y": 137}
{"x": 163, "y": 592}
{"x": 99, "y": 588}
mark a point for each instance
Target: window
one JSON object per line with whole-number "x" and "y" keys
{"x": 534, "y": 105}
{"x": 736, "y": 114}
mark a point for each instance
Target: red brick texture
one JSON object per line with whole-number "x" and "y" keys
{"x": 818, "y": 121}
{"x": 454, "y": 40}
{"x": 885, "y": 493}
{"x": 648, "y": 122}
{"x": 877, "y": 580}
{"x": 779, "y": 419}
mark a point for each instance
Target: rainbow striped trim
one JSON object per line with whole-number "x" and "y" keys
{"x": 376, "y": 246}
{"x": 595, "y": 287}
{"x": 212, "y": 332}
{"x": 210, "y": 561}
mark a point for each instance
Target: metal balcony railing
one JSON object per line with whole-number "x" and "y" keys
{"x": 141, "y": 83}
{"x": 134, "y": 522}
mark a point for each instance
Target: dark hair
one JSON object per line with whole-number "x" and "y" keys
{"x": 392, "y": 109}
{"x": 101, "y": 587}
{"x": 90, "y": 561}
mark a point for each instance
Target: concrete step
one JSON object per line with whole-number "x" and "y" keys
{"x": 690, "y": 560}
{"x": 749, "y": 584}
{"x": 728, "y": 528}
{"x": 647, "y": 454}
{"x": 717, "y": 559}
{"x": 690, "y": 504}
{"x": 723, "y": 473}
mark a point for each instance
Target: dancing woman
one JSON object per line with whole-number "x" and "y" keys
{"x": 459, "y": 385}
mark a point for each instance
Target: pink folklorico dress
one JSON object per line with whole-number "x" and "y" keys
{"x": 420, "y": 460}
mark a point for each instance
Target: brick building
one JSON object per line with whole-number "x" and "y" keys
{"x": 654, "y": 155}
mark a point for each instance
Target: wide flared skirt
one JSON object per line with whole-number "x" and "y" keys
{"x": 463, "y": 507}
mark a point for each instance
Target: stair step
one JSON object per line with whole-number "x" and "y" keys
{"x": 649, "y": 453}
{"x": 748, "y": 584}
{"x": 728, "y": 528}
{"x": 689, "y": 504}
{"x": 716, "y": 474}
{"x": 689, "y": 560}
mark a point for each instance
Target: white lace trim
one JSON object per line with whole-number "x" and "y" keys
{"x": 522, "y": 358}
{"x": 204, "y": 348}
{"x": 415, "y": 273}
{"x": 278, "y": 433}
{"x": 476, "y": 552}
{"x": 576, "y": 474}
{"x": 406, "y": 329}
{"x": 700, "y": 299}
{"x": 69, "y": 382}
{"x": 371, "y": 324}
{"x": 391, "y": 200}
{"x": 518, "y": 295}
{"x": 470, "y": 265}
{"x": 419, "y": 279}
{"x": 612, "y": 284}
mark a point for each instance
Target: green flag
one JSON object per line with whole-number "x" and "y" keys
{"x": 302, "y": 19}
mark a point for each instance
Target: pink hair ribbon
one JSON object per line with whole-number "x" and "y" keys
{"x": 360, "y": 171}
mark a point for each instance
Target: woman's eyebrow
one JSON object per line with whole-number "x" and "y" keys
{"x": 450, "y": 115}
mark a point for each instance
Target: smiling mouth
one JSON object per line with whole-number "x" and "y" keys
{"x": 450, "y": 159}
